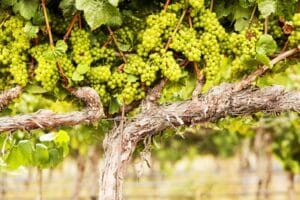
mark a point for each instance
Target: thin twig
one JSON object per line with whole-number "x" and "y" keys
{"x": 211, "y": 5}
{"x": 176, "y": 29}
{"x": 260, "y": 71}
{"x": 47, "y": 24}
{"x": 166, "y": 5}
{"x": 71, "y": 25}
{"x": 107, "y": 42}
{"x": 116, "y": 43}
{"x": 252, "y": 17}
{"x": 79, "y": 21}
{"x": 266, "y": 25}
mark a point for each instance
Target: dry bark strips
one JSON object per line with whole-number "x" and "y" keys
{"x": 219, "y": 102}
{"x": 47, "y": 119}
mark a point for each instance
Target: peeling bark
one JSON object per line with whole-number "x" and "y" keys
{"x": 47, "y": 119}
{"x": 219, "y": 102}
{"x": 7, "y": 96}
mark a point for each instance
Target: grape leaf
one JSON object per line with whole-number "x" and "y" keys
{"x": 266, "y": 45}
{"x": 114, "y": 2}
{"x": 40, "y": 155}
{"x": 82, "y": 68}
{"x": 114, "y": 106}
{"x": 266, "y": 7}
{"x": 26, "y": 8}
{"x": 31, "y": 30}
{"x": 7, "y": 3}
{"x": 99, "y": 12}
{"x": 61, "y": 137}
{"x": 77, "y": 76}
{"x": 55, "y": 157}
{"x": 67, "y": 7}
{"x": 263, "y": 59}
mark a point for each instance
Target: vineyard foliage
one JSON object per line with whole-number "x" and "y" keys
{"x": 122, "y": 48}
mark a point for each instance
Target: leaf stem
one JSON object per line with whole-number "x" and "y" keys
{"x": 211, "y": 5}
{"x": 166, "y": 5}
{"x": 252, "y": 16}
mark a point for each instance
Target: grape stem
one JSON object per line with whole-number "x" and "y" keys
{"x": 71, "y": 25}
{"x": 47, "y": 24}
{"x": 262, "y": 70}
{"x": 116, "y": 43}
{"x": 252, "y": 17}
{"x": 107, "y": 42}
{"x": 176, "y": 29}
{"x": 166, "y": 5}
{"x": 211, "y": 5}
{"x": 266, "y": 25}
{"x": 200, "y": 81}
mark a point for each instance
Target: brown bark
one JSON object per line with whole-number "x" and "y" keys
{"x": 219, "y": 102}
{"x": 48, "y": 119}
{"x": 94, "y": 158}
{"x": 7, "y": 96}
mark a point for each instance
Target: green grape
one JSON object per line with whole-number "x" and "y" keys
{"x": 103, "y": 55}
{"x": 211, "y": 54}
{"x": 103, "y": 93}
{"x": 294, "y": 38}
{"x": 47, "y": 74}
{"x": 186, "y": 41}
{"x": 208, "y": 21}
{"x": 117, "y": 79}
{"x": 169, "y": 67}
{"x": 130, "y": 93}
{"x": 151, "y": 38}
{"x": 18, "y": 70}
{"x": 275, "y": 30}
{"x": 14, "y": 44}
{"x": 67, "y": 66}
{"x": 81, "y": 45}
{"x": 197, "y": 4}
{"x": 99, "y": 74}
{"x": 58, "y": 24}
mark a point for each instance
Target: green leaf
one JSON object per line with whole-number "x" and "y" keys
{"x": 77, "y": 77}
{"x": 35, "y": 89}
{"x": 7, "y": 3}
{"x": 47, "y": 137}
{"x": 82, "y": 68}
{"x": 38, "y": 17}
{"x": 266, "y": 45}
{"x": 61, "y": 48}
{"x": 114, "y": 2}
{"x": 40, "y": 155}
{"x": 266, "y": 7}
{"x": 263, "y": 59}
{"x": 114, "y": 106}
{"x": 61, "y": 138}
{"x": 26, "y": 8}
{"x": 31, "y": 30}
{"x": 26, "y": 149}
{"x": 67, "y": 7}
{"x": 240, "y": 24}
{"x": 15, "y": 159}
{"x": 99, "y": 12}
{"x": 55, "y": 157}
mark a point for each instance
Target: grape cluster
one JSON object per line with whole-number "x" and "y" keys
{"x": 99, "y": 74}
{"x": 241, "y": 46}
{"x": 186, "y": 41}
{"x": 208, "y": 21}
{"x": 67, "y": 66}
{"x": 14, "y": 44}
{"x": 103, "y": 55}
{"x": 137, "y": 66}
{"x": 197, "y": 4}
{"x": 211, "y": 54}
{"x": 131, "y": 92}
{"x": 294, "y": 38}
{"x": 117, "y": 79}
{"x": 58, "y": 24}
{"x": 46, "y": 71}
{"x": 274, "y": 29}
{"x": 151, "y": 38}
{"x": 81, "y": 44}
{"x": 103, "y": 93}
